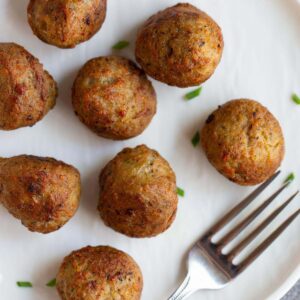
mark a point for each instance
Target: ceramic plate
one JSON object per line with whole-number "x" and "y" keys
{"x": 261, "y": 61}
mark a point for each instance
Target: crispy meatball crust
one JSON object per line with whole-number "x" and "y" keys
{"x": 180, "y": 46}
{"x": 27, "y": 92}
{"x": 99, "y": 273}
{"x": 66, "y": 23}
{"x": 114, "y": 98}
{"x": 243, "y": 141}
{"x": 138, "y": 193}
{"x": 41, "y": 192}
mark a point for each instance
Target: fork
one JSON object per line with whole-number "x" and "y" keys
{"x": 208, "y": 267}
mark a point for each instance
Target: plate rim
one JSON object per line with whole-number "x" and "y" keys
{"x": 288, "y": 284}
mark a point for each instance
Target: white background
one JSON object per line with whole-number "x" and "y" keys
{"x": 261, "y": 61}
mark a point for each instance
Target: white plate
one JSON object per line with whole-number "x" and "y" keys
{"x": 261, "y": 61}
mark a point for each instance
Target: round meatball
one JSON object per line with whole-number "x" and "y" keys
{"x": 180, "y": 46}
{"x": 99, "y": 273}
{"x": 138, "y": 193}
{"x": 27, "y": 92}
{"x": 66, "y": 23}
{"x": 114, "y": 98}
{"x": 243, "y": 141}
{"x": 41, "y": 192}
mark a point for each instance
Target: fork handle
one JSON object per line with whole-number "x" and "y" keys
{"x": 186, "y": 289}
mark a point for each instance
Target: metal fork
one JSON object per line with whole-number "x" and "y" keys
{"x": 208, "y": 268}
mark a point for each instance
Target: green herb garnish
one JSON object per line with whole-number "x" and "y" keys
{"x": 51, "y": 283}
{"x": 180, "y": 192}
{"x": 121, "y": 45}
{"x": 296, "y": 99}
{"x": 196, "y": 139}
{"x": 290, "y": 178}
{"x": 193, "y": 94}
{"x": 24, "y": 284}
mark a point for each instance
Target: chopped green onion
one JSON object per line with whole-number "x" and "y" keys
{"x": 193, "y": 94}
{"x": 296, "y": 99}
{"x": 196, "y": 139}
{"x": 121, "y": 45}
{"x": 290, "y": 178}
{"x": 24, "y": 284}
{"x": 180, "y": 192}
{"x": 51, "y": 283}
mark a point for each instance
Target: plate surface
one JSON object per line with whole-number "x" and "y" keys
{"x": 261, "y": 61}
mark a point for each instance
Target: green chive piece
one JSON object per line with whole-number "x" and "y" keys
{"x": 196, "y": 139}
{"x": 290, "y": 178}
{"x": 51, "y": 283}
{"x": 24, "y": 284}
{"x": 180, "y": 192}
{"x": 296, "y": 99}
{"x": 121, "y": 45}
{"x": 193, "y": 94}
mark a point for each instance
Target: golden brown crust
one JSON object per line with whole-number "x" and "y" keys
{"x": 42, "y": 192}
{"x": 27, "y": 92}
{"x": 138, "y": 193}
{"x": 114, "y": 98}
{"x": 66, "y": 23}
{"x": 243, "y": 141}
{"x": 180, "y": 46}
{"x": 99, "y": 273}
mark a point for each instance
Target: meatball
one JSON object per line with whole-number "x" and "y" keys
{"x": 27, "y": 92}
{"x": 66, "y": 23}
{"x": 41, "y": 192}
{"x": 180, "y": 46}
{"x": 114, "y": 98}
{"x": 138, "y": 193}
{"x": 101, "y": 273}
{"x": 243, "y": 141}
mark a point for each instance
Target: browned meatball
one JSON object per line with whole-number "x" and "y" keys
{"x": 114, "y": 98}
{"x": 180, "y": 46}
{"x": 138, "y": 193}
{"x": 243, "y": 141}
{"x": 27, "y": 92}
{"x": 99, "y": 273}
{"x": 66, "y": 23}
{"x": 41, "y": 192}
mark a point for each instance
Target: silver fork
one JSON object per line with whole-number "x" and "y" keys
{"x": 208, "y": 268}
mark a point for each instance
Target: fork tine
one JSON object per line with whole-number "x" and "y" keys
{"x": 267, "y": 242}
{"x": 244, "y": 243}
{"x": 249, "y": 219}
{"x": 238, "y": 208}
